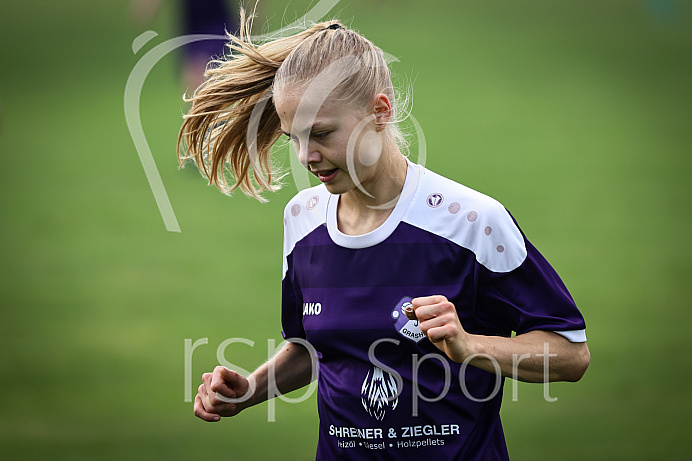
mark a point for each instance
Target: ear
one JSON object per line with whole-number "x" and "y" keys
{"x": 382, "y": 109}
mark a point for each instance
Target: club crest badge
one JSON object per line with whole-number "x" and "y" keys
{"x": 435, "y": 200}
{"x": 410, "y": 329}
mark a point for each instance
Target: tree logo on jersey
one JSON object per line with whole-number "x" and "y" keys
{"x": 435, "y": 200}
{"x": 378, "y": 393}
{"x": 409, "y": 329}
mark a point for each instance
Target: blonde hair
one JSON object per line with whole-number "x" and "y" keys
{"x": 232, "y": 124}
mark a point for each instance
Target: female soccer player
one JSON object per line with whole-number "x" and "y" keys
{"x": 404, "y": 286}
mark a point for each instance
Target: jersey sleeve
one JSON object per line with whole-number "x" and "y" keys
{"x": 291, "y": 314}
{"x": 302, "y": 215}
{"x": 291, "y": 306}
{"x": 531, "y": 297}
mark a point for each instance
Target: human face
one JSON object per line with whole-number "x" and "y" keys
{"x": 338, "y": 143}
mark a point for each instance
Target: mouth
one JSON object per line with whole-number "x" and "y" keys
{"x": 326, "y": 175}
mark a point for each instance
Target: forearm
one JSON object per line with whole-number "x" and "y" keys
{"x": 536, "y": 356}
{"x": 290, "y": 369}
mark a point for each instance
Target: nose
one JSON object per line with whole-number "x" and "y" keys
{"x": 307, "y": 153}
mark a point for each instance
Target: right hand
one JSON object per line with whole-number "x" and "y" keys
{"x": 211, "y": 402}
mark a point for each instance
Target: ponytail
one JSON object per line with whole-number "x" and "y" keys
{"x": 232, "y": 123}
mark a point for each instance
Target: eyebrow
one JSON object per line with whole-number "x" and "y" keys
{"x": 317, "y": 126}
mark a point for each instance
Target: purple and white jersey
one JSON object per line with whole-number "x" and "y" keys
{"x": 385, "y": 392}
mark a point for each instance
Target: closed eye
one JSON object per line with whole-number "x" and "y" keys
{"x": 316, "y": 135}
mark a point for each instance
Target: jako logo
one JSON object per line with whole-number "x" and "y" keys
{"x": 312, "y": 308}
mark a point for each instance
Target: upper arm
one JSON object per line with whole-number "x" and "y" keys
{"x": 567, "y": 360}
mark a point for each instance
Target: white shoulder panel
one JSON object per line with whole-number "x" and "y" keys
{"x": 469, "y": 219}
{"x": 304, "y": 213}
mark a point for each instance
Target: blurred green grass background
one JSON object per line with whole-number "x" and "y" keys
{"x": 575, "y": 115}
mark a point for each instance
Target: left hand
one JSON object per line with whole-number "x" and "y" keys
{"x": 440, "y": 323}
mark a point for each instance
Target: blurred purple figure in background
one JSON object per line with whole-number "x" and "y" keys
{"x": 195, "y": 17}
{"x": 204, "y": 17}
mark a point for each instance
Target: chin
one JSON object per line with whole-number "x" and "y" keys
{"x": 338, "y": 189}
{"x": 333, "y": 189}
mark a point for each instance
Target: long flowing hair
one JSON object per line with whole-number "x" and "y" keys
{"x": 232, "y": 124}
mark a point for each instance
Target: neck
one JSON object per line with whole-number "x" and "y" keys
{"x": 361, "y": 212}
